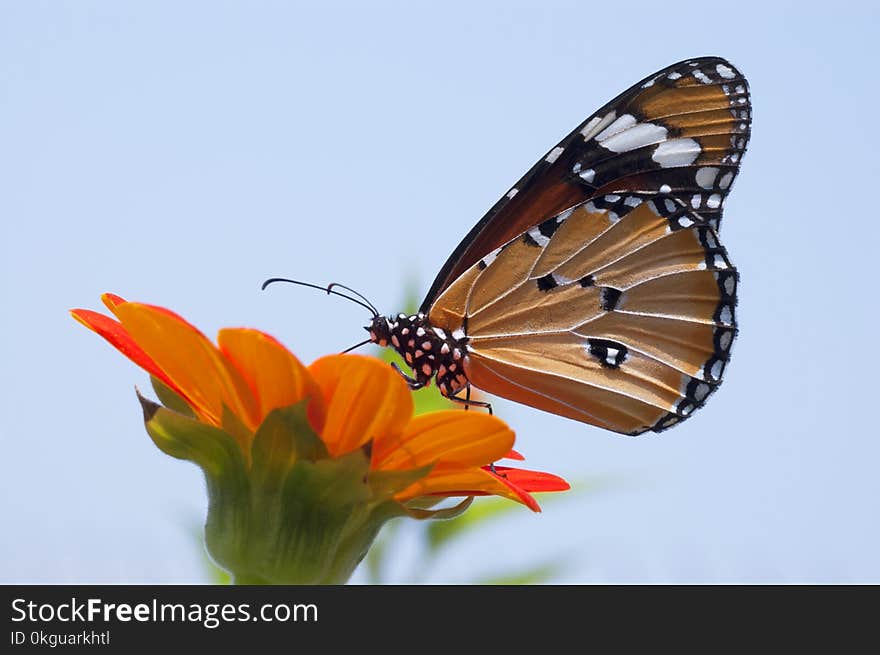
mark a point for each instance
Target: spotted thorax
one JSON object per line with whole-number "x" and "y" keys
{"x": 430, "y": 351}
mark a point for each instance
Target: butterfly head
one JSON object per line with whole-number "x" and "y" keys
{"x": 380, "y": 329}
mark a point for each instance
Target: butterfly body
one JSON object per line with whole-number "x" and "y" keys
{"x": 597, "y": 288}
{"x": 430, "y": 351}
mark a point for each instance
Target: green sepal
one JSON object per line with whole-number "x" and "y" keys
{"x": 387, "y": 483}
{"x": 309, "y": 524}
{"x": 284, "y": 437}
{"x": 441, "y": 514}
{"x": 234, "y": 426}
{"x": 183, "y": 437}
{"x": 424, "y": 502}
{"x": 170, "y": 398}
{"x": 218, "y": 455}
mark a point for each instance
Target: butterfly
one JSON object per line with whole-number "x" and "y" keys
{"x": 597, "y": 287}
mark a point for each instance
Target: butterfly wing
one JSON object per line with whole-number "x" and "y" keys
{"x": 618, "y": 312}
{"x": 682, "y": 131}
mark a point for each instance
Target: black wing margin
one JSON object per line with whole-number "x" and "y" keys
{"x": 681, "y": 131}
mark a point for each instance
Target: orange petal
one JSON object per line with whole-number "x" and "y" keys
{"x": 365, "y": 399}
{"x": 190, "y": 361}
{"x": 113, "y": 332}
{"x": 467, "y": 482}
{"x": 532, "y": 481}
{"x": 111, "y": 300}
{"x": 276, "y": 376}
{"x": 514, "y": 454}
{"x": 446, "y": 437}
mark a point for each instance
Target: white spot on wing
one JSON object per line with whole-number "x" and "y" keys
{"x": 538, "y": 238}
{"x": 701, "y": 392}
{"x": 632, "y": 138}
{"x": 729, "y": 285}
{"x": 553, "y": 155}
{"x": 488, "y": 259}
{"x": 597, "y": 123}
{"x": 665, "y": 188}
{"x": 677, "y": 152}
{"x": 714, "y": 201}
{"x": 725, "y": 71}
{"x": 702, "y": 77}
{"x": 588, "y": 175}
{"x": 619, "y": 125}
{"x": 706, "y": 176}
{"x": 512, "y": 193}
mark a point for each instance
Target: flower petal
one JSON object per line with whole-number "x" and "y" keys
{"x": 190, "y": 361}
{"x": 277, "y": 378}
{"x": 119, "y": 338}
{"x": 365, "y": 400}
{"x": 467, "y": 482}
{"x": 111, "y": 300}
{"x": 532, "y": 481}
{"x": 446, "y": 438}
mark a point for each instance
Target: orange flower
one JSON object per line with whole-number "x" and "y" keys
{"x": 353, "y": 402}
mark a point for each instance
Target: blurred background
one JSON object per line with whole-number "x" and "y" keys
{"x": 180, "y": 153}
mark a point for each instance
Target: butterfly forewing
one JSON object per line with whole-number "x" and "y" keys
{"x": 680, "y": 132}
{"x": 618, "y": 312}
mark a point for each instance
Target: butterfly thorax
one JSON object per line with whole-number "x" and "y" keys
{"x": 430, "y": 351}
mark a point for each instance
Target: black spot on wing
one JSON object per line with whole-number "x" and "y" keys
{"x": 549, "y": 227}
{"x": 547, "y": 282}
{"x": 529, "y": 241}
{"x": 609, "y": 298}
{"x": 611, "y": 354}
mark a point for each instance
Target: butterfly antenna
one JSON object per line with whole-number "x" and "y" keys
{"x": 359, "y": 295}
{"x": 357, "y": 345}
{"x": 329, "y": 289}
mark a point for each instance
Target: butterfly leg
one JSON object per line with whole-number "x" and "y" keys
{"x": 467, "y": 402}
{"x": 414, "y": 384}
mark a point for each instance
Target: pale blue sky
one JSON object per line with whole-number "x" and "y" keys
{"x": 180, "y": 153}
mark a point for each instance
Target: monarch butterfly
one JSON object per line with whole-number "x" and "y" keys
{"x": 596, "y": 288}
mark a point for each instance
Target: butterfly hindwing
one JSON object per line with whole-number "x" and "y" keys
{"x": 682, "y": 132}
{"x": 618, "y": 312}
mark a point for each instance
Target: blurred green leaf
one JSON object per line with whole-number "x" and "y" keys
{"x": 375, "y": 559}
{"x": 538, "y": 574}
{"x": 441, "y": 532}
{"x": 213, "y": 573}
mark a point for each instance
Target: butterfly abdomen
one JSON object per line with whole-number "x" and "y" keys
{"x": 430, "y": 351}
